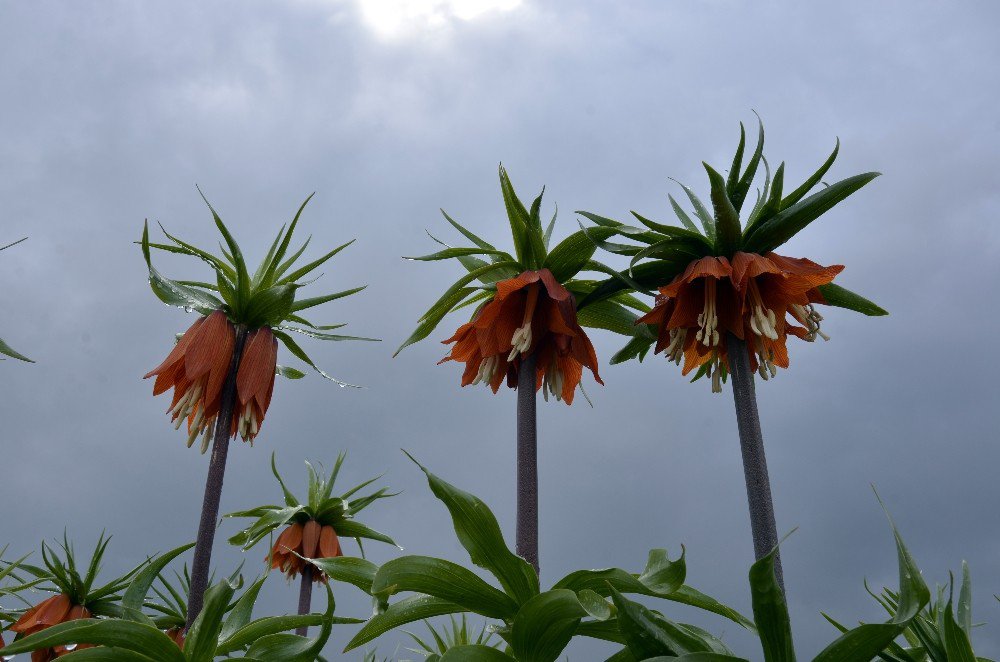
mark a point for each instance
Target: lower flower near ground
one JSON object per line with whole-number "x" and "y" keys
{"x": 310, "y": 540}
{"x": 530, "y": 313}
{"x": 751, "y": 296}
{"x": 57, "y": 609}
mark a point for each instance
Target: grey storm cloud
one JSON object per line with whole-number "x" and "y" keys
{"x": 111, "y": 112}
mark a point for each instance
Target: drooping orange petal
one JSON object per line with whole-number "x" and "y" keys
{"x": 200, "y": 354}
{"x": 750, "y": 265}
{"x": 329, "y": 543}
{"x": 555, "y": 290}
{"x": 290, "y": 539}
{"x": 179, "y": 348}
{"x": 257, "y": 365}
{"x": 48, "y": 612}
{"x": 310, "y": 538}
{"x": 510, "y": 285}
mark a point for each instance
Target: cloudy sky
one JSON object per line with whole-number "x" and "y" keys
{"x": 390, "y": 109}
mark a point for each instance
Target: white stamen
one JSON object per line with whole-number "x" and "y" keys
{"x": 520, "y": 341}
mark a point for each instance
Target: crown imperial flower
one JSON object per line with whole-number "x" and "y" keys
{"x": 526, "y": 304}
{"x": 725, "y": 277}
{"x": 244, "y": 317}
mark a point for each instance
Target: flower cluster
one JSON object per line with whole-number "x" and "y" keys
{"x": 752, "y": 298}
{"x": 530, "y": 313}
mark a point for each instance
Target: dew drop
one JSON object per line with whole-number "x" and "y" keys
{"x": 70, "y": 647}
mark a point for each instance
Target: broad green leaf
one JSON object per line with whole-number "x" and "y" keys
{"x": 479, "y": 533}
{"x": 269, "y": 625}
{"x": 648, "y": 634}
{"x": 770, "y": 611}
{"x": 349, "y": 569}
{"x": 106, "y": 654}
{"x": 734, "y": 170}
{"x": 136, "y": 637}
{"x": 203, "y": 635}
{"x": 291, "y": 647}
{"x": 407, "y": 610}
{"x": 841, "y": 297}
{"x": 242, "y": 611}
{"x": 446, "y": 580}
{"x": 781, "y": 227}
{"x": 474, "y": 653}
{"x": 544, "y": 625}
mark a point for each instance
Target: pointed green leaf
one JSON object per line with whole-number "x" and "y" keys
{"x": 407, "y": 610}
{"x": 814, "y": 179}
{"x": 479, "y": 533}
{"x": 545, "y": 624}
{"x": 727, "y": 217}
{"x": 841, "y": 297}
{"x": 446, "y": 580}
{"x": 781, "y": 227}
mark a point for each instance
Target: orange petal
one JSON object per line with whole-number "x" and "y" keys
{"x": 552, "y": 286}
{"x": 506, "y": 287}
{"x": 329, "y": 544}
{"x": 199, "y": 356}
{"x": 310, "y": 538}
{"x": 257, "y": 365}
{"x": 179, "y": 348}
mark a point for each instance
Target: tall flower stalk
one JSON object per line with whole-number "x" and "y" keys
{"x": 526, "y": 329}
{"x": 726, "y": 302}
{"x": 222, "y": 369}
{"x": 5, "y": 349}
{"x": 310, "y": 529}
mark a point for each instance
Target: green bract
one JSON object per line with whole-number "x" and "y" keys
{"x": 6, "y": 349}
{"x": 268, "y": 297}
{"x": 456, "y": 634}
{"x": 535, "y": 625}
{"x": 64, "y": 575}
{"x": 651, "y": 636}
{"x": 320, "y": 505}
{"x": 225, "y": 626}
{"x": 940, "y": 632}
{"x": 486, "y": 265}
{"x": 661, "y": 252}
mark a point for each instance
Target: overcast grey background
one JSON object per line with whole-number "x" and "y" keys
{"x": 111, "y": 112}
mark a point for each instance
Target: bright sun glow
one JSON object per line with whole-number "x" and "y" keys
{"x": 394, "y": 17}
